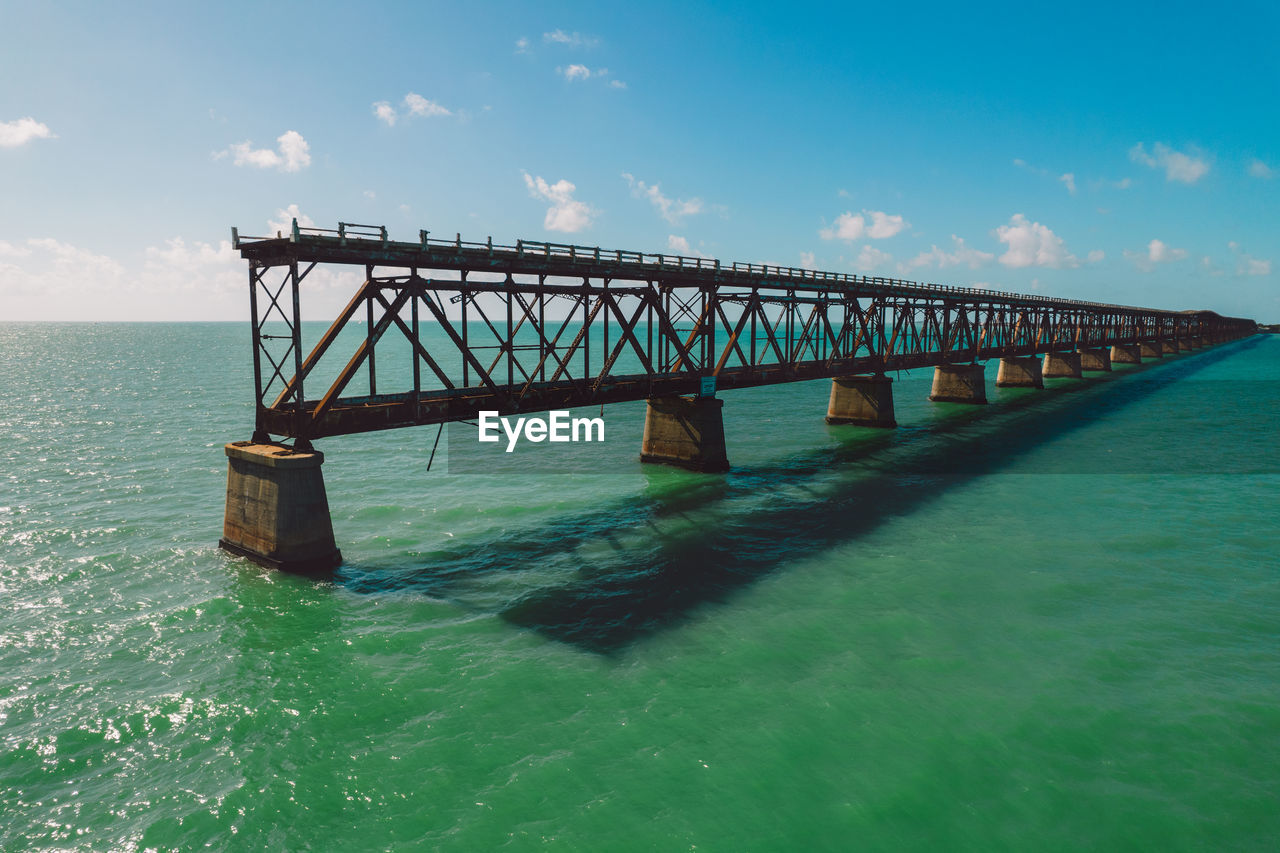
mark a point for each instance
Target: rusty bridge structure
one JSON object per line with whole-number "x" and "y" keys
{"x": 440, "y": 330}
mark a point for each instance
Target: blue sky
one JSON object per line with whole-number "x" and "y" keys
{"x": 1128, "y": 154}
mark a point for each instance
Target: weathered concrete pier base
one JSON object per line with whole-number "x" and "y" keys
{"x": 1193, "y": 343}
{"x": 1126, "y": 354}
{"x": 958, "y": 383}
{"x": 1151, "y": 349}
{"x": 1170, "y": 347}
{"x": 685, "y": 431}
{"x": 1095, "y": 359}
{"x": 1020, "y": 373}
{"x": 277, "y": 514}
{"x": 861, "y": 401}
{"x": 1062, "y": 365}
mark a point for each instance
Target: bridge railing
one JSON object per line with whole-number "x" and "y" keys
{"x": 575, "y": 254}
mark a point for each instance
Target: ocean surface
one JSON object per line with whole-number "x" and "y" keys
{"x": 1049, "y": 623}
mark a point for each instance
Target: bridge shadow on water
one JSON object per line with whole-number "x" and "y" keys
{"x": 693, "y": 540}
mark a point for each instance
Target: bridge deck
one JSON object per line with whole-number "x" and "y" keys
{"x": 537, "y": 326}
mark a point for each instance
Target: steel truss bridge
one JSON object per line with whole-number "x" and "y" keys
{"x": 537, "y": 326}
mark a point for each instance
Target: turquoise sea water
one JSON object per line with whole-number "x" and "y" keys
{"x": 1049, "y": 623}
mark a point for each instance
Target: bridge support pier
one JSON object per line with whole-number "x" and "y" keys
{"x": 685, "y": 431}
{"x": 1151, "y": 349}
{"x": 1193, "y": 343}
{"x": 1126, "y": 354}
{"x": 1095, "y": 359}
{"x": 861, "y": 401}
{"x": 1062, "y": 365}
{"x": 1020, "y": 373}
{"x": 1170, "y": 347}
{"x": 958, "y": 383}
{"x": 277, "y": 514}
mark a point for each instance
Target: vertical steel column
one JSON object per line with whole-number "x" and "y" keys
{"x": 299, "y": 416}
{"x": 368, "y": 333}
{"x": 259, "y": 428}
{"x": 417, "y": 338}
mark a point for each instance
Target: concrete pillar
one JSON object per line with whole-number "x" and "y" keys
{"x": 277, "y": 514}
{"x": 1126, "y": 354}
{"x": 1193, "y": 343}
{"x": 958, "y": 383}
{"x": 1151, "y": 349}
{"x": 1020, "y": 373}
{"x": 1095, "y": 359}
{"x": 1170, "y": 348}
{"x": 685, "y": 431}
{"x": 862, "y": 401}
{"x": 1060, "y": 365}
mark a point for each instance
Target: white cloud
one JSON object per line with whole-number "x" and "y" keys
{"x": 961, "y": 255}
{"x": 617, "y": 84}
{"x": 370, "y": 194}
{"x": 21, "y": 131}
{"x": 671, "y": 210}
{"x": 414, "y": 105}
{"x": 808, "y": 261}
{"x": 1033, "y": 244}
{"x": 420, "y": 106}
{"x": 51, "y": 268}
{"x": 1160, "y": 253}
{"x": 1178, "y": 166}
{"x": 1069, "y": 181}
{"x": 1157, "y": 252}
{"x": 1095, "y": 256}
{"x": 386, "y": 112}
{"x": 883, "y": 225}
{"x": 283, "y": 223}
{"x": 850, "y": 226}
{"x": 679, "y": 244}
{"x": 1254, "y": 266}
{"x": 292, "y": 154}
{"x": 575, "y": 72}
{"x": 574, "y": 39}
{"x": 871, "y": 258}
{"x": 1259, "y": 169}
{"x": 45, "y": 278}
{"x": 1247, "y": 264}
{"x": 565, "y": 213}
{"x": 522, "y": 45}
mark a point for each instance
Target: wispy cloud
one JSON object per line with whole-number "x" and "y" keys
{"x": 871, "y": 258}
{"x": 1067, "y": 179}
{"x": 1247, "y": 264}
{"x": 850, "y": 226}
{"x": 413, "y": 104}
{"x": 672, "y": 210}
{"x": 1179, "y": 166}
{"x": 960, "y": 255}
{"x": 420, "y": 106}
{"x": 565, "y": 213}
{"x": 1259, "y": 169}
{"x": 1156, "y": 252}
{"x": 291, "y": 154}
{"x": 522, "y": 45}
{"x": 21, "y": 131}
{"x": 283, "y": 222}
{"x": 1033, "y": 245}
{"x": 574, "y": 39}
{"x": 577, "y": 71}
{"x": 386, "y": 112}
